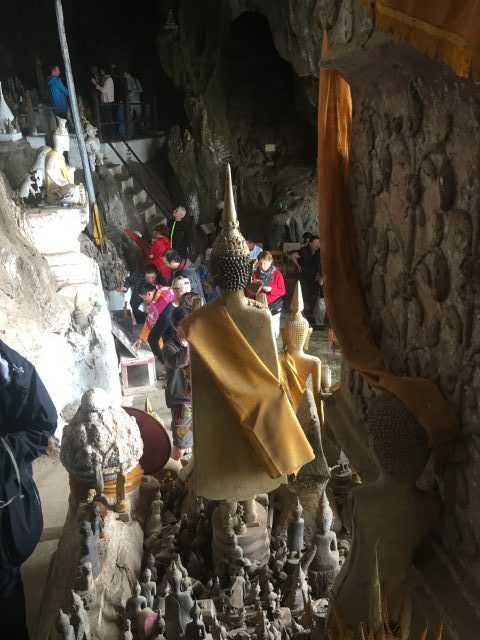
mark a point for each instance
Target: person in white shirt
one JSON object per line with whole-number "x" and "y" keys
{"x": 134, "y": 91}
{"x": 107, "y": 97}
{"x": 254, "y": 249}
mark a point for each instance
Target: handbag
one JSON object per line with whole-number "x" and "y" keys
{"x": 276, "y": 306}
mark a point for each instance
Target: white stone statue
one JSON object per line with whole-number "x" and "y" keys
{"x": 7, "y": 128}
{"x": 34, "y": 180}
{"x": 92, "y": 142}
{"x": 59, "y": 183}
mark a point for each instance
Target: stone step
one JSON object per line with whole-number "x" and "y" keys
{"x": 147, "y": 209}
{"x": 127, "y": 183}
{"x": 73, "y": 268}
{"x": 139, "y": 197}
{"x": 114, "y": 169}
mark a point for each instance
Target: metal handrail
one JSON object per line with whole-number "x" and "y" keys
{"x": 125, "y": 164}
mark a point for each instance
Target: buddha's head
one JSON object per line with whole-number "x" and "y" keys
{"x": 230, "y": 259}
{"x": 296, "y": 328}
{"x": 397, "y": 440}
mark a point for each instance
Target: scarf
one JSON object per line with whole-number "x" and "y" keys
{"x": 265, "y": 276}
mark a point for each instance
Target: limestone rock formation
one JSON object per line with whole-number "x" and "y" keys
{"x": 100, "y": 432}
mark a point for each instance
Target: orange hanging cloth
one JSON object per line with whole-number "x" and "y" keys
{"x": 447, "y": 30}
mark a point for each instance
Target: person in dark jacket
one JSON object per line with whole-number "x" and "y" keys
{"x": 27, "y": 419}
{"x": 183, "y": 267}
{"x": 58, "y": 92}
{"x": 135, "y": 281}
{"x": 163, "y": 326}
{"x": 178, "y": 393}
{"x": 180, "y": 231}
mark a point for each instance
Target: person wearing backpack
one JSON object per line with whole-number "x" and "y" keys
{"x": 27, "y": 420}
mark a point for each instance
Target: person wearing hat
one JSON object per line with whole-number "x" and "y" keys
{"x": 163, "y": 325}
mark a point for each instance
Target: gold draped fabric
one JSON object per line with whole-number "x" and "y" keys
{"x": 343, "y": 292}
{"x": 448, "y": 30}
{"x": 253, "y": 394}
{"x": 290, "y": 378}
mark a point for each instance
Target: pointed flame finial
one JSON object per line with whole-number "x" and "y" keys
{"x": 229, "y": 241}
{"x": 296, "y": 305}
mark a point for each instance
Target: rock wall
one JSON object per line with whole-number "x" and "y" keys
{"x": 65, "y": 333}
{"x": 415, "y": 192}
{"x": 225, "y": 125}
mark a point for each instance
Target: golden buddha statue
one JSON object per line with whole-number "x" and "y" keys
{"x": 246, "y": 435}
{"x": 293, "y": 360}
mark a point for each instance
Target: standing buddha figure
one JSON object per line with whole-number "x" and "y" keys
{"x": 297, "y": 365}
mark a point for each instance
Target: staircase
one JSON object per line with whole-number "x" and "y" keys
{"x": 146, "y": 194}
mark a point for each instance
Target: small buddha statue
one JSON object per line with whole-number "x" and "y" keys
{"x": 237, "y": 591}
{"x": 59, "y": 183}
{"x": 195, "y": 630}
{"x": 127, "y": 630}
{"x": 97, "y": 520}
{"x": 299, "y": 589}
{"x": 84, "y": 584}
{"x": 122, "y": 504}
{"x": 235, "y": 553}
{"x": 63, "y": 626}
{"x": 88, "y": 549}
{"x": 80, "y": 619}
{"x": 296, "y": 527}
{"x": 178, "y": 603}
{"x": 154, "y": 522}
{"x": 92, "y": 143}
{"x": 326, "y": 564}
{"x": 148, "y": 587}
{"x": 240, "y": 527}
{"x": 158, "y": 630}
{"x": 150, "y": 563}
{"x": 135, "y": 604}
{"x": 296, "y": 334}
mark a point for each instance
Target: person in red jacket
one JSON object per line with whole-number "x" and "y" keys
{"x": 143, "y": 244}
{"x": 273, "y": 286}
{"x": 159, "y": 245}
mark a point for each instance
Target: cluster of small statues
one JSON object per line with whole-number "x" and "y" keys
{"x": 92, "y": 513}
{"x": 180, "y": 593}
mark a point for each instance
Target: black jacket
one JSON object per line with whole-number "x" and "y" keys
{"x": 176, "y": 358}
{"x": 27, "y": 419}
{"x": 180, "y": 235}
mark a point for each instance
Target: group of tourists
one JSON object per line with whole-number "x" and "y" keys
{"x": 113, "y": 88}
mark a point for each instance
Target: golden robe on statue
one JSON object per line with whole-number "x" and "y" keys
{"x": 246, "y": 434}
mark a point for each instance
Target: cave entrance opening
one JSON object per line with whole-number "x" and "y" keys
{"x": 263, "y": 99}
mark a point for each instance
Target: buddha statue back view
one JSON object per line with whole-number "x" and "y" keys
{"x": 296, "y": 334}
{"x": 233, "y": 362}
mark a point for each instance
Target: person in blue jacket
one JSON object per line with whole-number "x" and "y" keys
{"x": 58, "y": 92}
